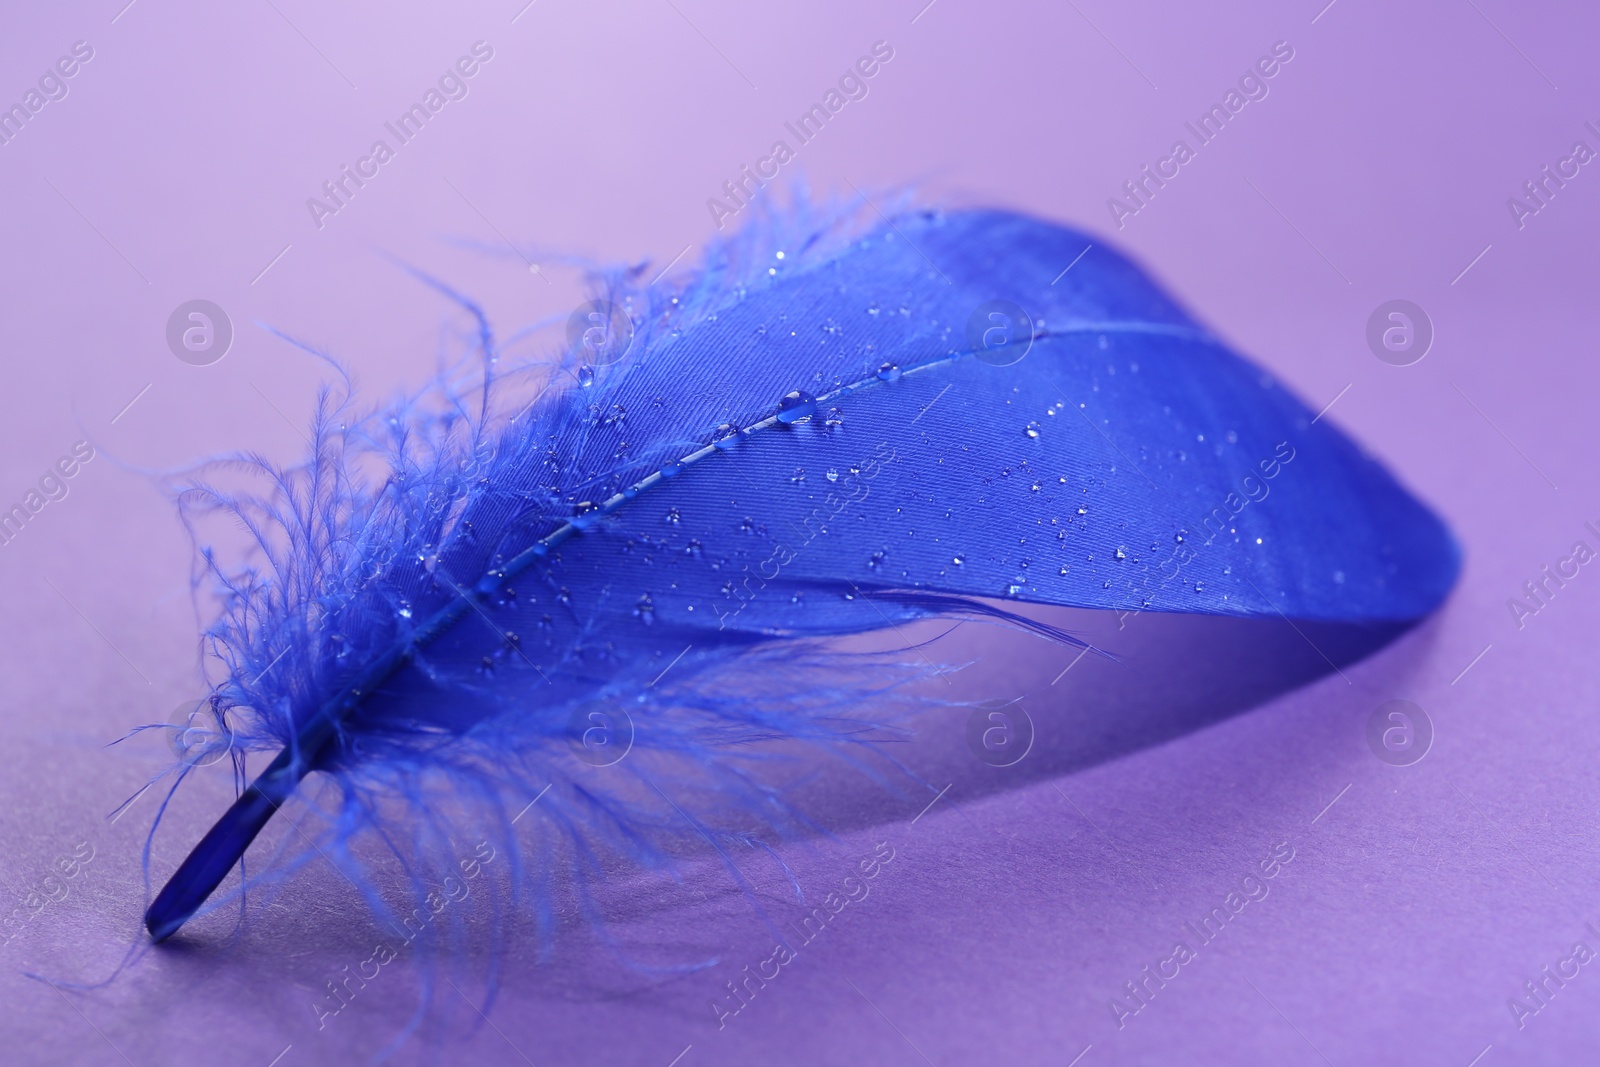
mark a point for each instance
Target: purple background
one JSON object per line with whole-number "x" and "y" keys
{"x": 1018, "y": 905}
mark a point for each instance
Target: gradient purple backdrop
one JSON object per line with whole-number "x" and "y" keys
{"x": 1379, "y": 166}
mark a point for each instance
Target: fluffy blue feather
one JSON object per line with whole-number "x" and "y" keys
{"x": 821, "y": 432}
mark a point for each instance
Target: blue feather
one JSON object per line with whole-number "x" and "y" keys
{"x": 822, "y": 432}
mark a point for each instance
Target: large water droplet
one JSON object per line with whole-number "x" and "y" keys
{"x": 796, "y": 406}
{"x": 1032, "y": 429}
{"x": 888, "y": 373}
{"x": 586, "y": 375}
{"x": 727, "y": 436}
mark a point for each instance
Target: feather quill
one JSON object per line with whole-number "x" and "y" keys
{"x": 825, "y": 430}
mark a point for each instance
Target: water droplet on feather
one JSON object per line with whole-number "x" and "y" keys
{"x": 796, "y": 406}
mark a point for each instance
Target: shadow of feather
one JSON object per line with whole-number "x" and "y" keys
{"x": 1172, "y": 675}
